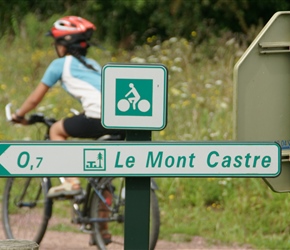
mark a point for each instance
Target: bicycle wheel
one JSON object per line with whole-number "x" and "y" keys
{"x": 116, "y": 217}
{"x": 96, "y": 237}
{"x": 25, "y": 208}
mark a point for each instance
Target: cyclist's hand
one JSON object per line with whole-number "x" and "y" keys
{"x": 19, "y": 119}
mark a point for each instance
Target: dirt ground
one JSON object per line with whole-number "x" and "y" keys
{"x": 54, "y": 240}
{"x": 76, "y": 241}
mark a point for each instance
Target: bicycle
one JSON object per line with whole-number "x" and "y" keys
{"x": 142, "y": 105}
{"x": 25, "y": 202}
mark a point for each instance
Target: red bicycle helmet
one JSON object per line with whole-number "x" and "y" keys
{"x": 70, "y": 30}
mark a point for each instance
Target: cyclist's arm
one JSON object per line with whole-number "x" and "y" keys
{"x": 31, "y": 102}
{"x": 51, "y": 76}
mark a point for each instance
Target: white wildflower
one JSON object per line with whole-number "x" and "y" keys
{"x": 177, "y": 60}
{"x": 224, "y": 105}
{"x": 138, "y": 60}
{"x": 218, "y": 82}
{"x": 175, "y": 92}
{"x": 156, "y": 47}
{"x": 163, "y": 58}
{"x": 152, "y": 59}
{"x": 176, "y": 69}
{"x": 173, "y": 40}
{"x": 215, "y": 134}
{"x": 223, "y": 182}
{"x": 200, "y": 99}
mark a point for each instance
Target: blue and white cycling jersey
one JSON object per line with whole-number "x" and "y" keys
{"x": 79, "y": 81}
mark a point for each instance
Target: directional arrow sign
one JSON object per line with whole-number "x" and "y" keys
{"x": 139, "y": 159}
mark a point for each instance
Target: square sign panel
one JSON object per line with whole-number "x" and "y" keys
{"x": 134, "y": 96}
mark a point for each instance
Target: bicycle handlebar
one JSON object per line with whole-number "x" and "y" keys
{"x": 8, "y": 112}
{"x": 33, "y": 118}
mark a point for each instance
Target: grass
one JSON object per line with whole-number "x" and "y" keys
{"x": 240, "y": 211}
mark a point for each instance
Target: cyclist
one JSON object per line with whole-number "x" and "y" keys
{"x": 135, "y": 98}
{"x": 81, "y": 78}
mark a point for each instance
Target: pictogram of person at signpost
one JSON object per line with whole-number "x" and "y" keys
{"x": 94, "y": 159}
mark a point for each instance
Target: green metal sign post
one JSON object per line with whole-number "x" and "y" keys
{"x": 137, "y": 208}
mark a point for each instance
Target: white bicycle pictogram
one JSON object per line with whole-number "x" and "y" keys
{"x": 142, "y": 105}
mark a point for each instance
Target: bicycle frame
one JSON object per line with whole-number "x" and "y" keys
{"x": 97, "y": 185}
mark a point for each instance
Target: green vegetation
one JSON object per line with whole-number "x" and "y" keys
{"x": 224, "y": 210}
{"x": 127, "y": 22}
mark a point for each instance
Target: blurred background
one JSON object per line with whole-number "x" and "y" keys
{"x": 199, "y": 41}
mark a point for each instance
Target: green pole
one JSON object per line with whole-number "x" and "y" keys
{"x": 137, "y": 207}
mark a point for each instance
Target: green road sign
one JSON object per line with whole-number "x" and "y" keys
{"x": 128, "y": 97}
{"x": 140, "y": 159}
{"x": 134, "y": 96}
{"x": 262, "y": 92}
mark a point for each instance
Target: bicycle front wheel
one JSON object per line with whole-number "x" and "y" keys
{"x": 25, "y": 208}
